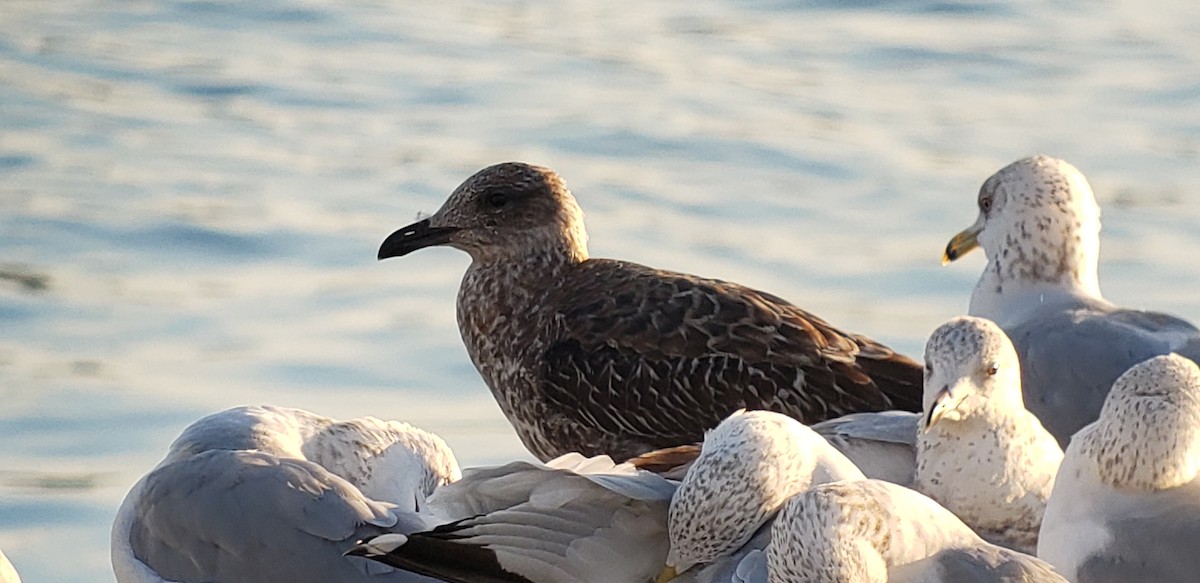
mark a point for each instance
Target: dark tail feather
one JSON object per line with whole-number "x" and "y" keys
{"x": 445, "y": 555}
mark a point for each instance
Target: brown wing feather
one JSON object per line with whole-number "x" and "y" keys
{"x": 667, "y": 355}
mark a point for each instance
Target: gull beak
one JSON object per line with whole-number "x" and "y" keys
{"x": 666, "y": 574}
{"x": 942, "y": 402}
{"x": 418, "y": 235}
{"x": 962, "y": 243}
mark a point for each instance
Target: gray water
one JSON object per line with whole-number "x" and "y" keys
{"x": 192, "y": 193}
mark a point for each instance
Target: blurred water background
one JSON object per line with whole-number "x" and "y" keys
{"x": 192, "y": 192}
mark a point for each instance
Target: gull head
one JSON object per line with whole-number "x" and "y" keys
{"x": 508, "y": 211}
{"x": 1148, "y": 434}
{"x": 386, "y": 460}
{"x": 1038, "y": 223}
{"x": 748, "y": 466}
{"x": 971, "y": 369}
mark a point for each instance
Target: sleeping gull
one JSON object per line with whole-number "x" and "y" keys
{"x": 981, "y": 454}
{"x": 1126, "y": 505}
{"x": 1039, "y": 226}
{"x": 749, "y": 465}
{"x": 269, "y": 494}
{"x": 581, "y": 520}
{"x": 609, "y": 357}
{"x": 871, "y": 531}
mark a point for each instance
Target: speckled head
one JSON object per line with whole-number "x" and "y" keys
{"x": 1038, "y": 223}
{"x": 1148, "y": 433}
{"x": 748, "y": 466}
{"x": 970, "y": 366}
{"x": 507, "y": 211}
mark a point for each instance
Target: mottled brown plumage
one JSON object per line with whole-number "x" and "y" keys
{"x": 610, "y": 357}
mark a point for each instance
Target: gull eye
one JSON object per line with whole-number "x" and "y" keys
{"x": 985, "y": 204}
{"x": 928, "y": 369}
{"x": 497, "y": 199}
{"x": 992, "y": 370}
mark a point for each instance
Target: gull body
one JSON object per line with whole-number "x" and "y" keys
{"x": 270, "y": 494}
{"x": 1126, "y": 503}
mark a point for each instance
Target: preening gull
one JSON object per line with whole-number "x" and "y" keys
{"x": 8, "y": 573}
{"x": 1039, "y": 226}
{"x": 981, "y": 454}
{"x": 749, "y": 465}
{"x": 1126, "y": 504}
{"x": 270, "y": 494}
{"x": 871, "y": 531}
{"x": 609, "y": 357}
{"x": 580, "y": 520}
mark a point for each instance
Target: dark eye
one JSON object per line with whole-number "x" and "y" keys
{"x": 497, "y": 199}
{"x": 992, "y": 370}
{"x": 928, "y": 369}
{"x": 985, "y": 204}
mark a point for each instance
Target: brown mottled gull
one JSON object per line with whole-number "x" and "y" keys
{"x": 1039, "y": 226}
{"x": 871, "y": 531}
{"x": 1126, "y": 503}
{"x": 604, "y": 356}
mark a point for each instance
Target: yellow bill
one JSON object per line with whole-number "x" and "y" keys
{"x": 961, "y": 244}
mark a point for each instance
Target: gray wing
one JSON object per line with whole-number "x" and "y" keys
{"x": 248, "y": 516}
{"x": 747, "y": 565}
{"x": 1154, "y": 543}
{"x": 991, "y": 564}
{"x": 534, "y": 524}
{"x": 882, "y": 445}
{"x": 1069, "y": 359}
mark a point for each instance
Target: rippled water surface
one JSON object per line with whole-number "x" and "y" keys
{"x": 191, "y": 193}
